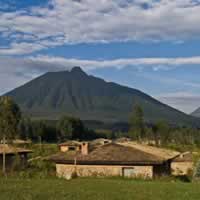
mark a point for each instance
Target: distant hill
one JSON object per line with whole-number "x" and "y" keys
{"x": 76, "y": 93}
{"x": 196, "y": 113}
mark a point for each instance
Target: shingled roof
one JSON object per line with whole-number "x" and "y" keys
{"x": 114, "y": 154}
{"x": 159, "y": 152}
{"x": 8, "y": 149}
{"x": 70, "y": 143}
{"x": 184, "y": 157}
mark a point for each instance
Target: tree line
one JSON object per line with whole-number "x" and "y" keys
{"x": 161, "y": 132}
{"x": 66, "y": 128}
{"x": 12, "y": 125}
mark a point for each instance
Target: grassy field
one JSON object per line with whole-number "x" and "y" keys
{"x": 96, "y": 189}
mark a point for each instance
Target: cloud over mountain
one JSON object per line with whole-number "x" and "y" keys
{"x": 17, "y": 71}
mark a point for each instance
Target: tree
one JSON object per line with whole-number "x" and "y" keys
{"x": 163, "y": 130}
{"x": 10, "y": 116}
{"x": 25, "y": 129}
{"x": 137, "y": 126}
{"x": 197, "y": 171}
{"x": 156, "y": 135}
{"x": 40, "y": 129}
{"x": 65, "y": 128}
{"x": 70, "y": 128}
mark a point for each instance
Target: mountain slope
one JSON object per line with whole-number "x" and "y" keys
{"x": 196, "y": 113}
{"x": 90, "y": 98}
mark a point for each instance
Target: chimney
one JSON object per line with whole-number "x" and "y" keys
{"x": 84, "y": 148}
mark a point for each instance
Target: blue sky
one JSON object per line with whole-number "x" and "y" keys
{"x": 151, "y": 45}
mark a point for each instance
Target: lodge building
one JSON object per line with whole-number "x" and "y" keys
{"x": 113, "y": 159}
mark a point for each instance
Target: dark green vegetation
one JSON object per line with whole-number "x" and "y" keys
{"x": 10, "y": 117}
{"x": 70, "y": 128}
{"x": 99, "y": 189}
{"x": 66, "y": 128}
{"x": 56, "y": 93}
{"x": 197, "y": 171}
{"x": 137, "y": 125}
{"x": 160, "y": 133}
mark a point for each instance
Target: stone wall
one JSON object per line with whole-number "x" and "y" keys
{"x": 67, "y": 171}
{"x": 64, "y": 148}
{"x": 181, "y": 168}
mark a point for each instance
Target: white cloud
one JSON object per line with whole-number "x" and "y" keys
{"x": 41, "y": 63}
{"x": 30, "y": 67}
{"x": 155, "y": 63}
{"x": 20, "y": 48}
{"x": 85, "y": 21}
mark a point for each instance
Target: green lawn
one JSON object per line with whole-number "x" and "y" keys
{"x": 96, "y": 189}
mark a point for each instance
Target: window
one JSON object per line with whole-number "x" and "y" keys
{"x": 128, "y": 171}
{"x": 72, "y": 148}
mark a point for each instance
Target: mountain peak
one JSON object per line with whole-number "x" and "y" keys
{"x": 77, "y": 70}
{"x": 90, "y": 98}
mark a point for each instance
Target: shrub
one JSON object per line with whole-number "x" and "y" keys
{"x": 196, "y": 175}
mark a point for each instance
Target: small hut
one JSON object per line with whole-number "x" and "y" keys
{"x": 20, "y": 142}
{"x": 13, "y": 154}
{"x": 70, "y": 146}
